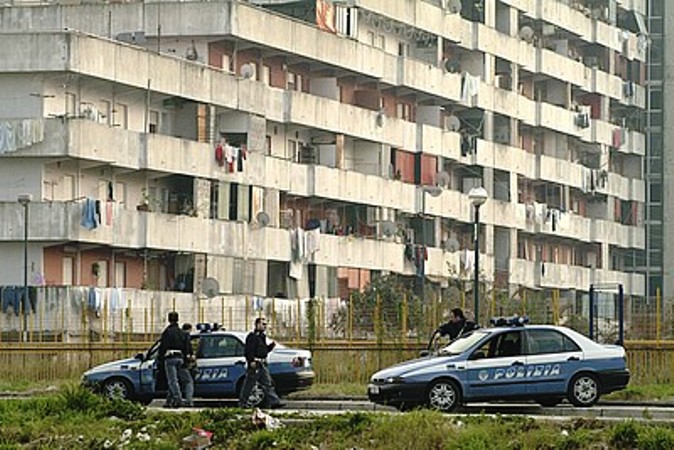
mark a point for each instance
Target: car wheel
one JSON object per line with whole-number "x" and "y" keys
{"x": 584, "y": 390}
{"x": 117, "y": 388}
{"x": 444, "y": 395}
{"x": 549, "y": 402}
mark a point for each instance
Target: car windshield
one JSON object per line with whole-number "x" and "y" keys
{"x": 463, "y": 343}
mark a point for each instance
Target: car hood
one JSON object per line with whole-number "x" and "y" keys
{"x": 120, "y": 364}
{"x": 411, "y": 366}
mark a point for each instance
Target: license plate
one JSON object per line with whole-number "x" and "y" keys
{"x": 373, "y": 389}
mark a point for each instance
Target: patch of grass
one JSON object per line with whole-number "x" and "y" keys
{"x": 327, "y": 390}
{"x": 661, "y": 392}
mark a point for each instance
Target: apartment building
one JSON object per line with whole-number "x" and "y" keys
{"x": 299, "y": 148}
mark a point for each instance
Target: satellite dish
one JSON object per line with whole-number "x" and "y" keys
{"x": 388, "y": 228}
{"x": 453, "y": 6}
{"x": 452, "y": 123}
{"x": 210, "y": 287}
{"x": 442, "y": 179}
{"x": 262, "y": 218}
{"x": 451, "y": 65}
{"x": 527, "y": 33}
{"x": 247, "y": 71}
{"x": 451, "y": 245}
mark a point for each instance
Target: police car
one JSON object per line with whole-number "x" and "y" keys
{"x": 221, "y": 368}
{"x": 512, "y": 361}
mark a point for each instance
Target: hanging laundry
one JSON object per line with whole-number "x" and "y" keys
{"x": 628, "y": 88}
{"x": 18, "y": 134}
{"x": 10, "y": 299}
{"x": 312, "y": 241}
{"x": 108, "y": 213}
{"x": 470, "y": 86}
{"x": 219, "y": 155}
{"x": 88, "y": 220}
{"x": 617, "y": 138}
{"x": 239, "y": 160}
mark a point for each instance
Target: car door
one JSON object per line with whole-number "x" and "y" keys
{"x": 496, "y": 368}
{"x": 552, "y": 359}
{"x": 148, "y": 370}
{"x": 220, "y": 364}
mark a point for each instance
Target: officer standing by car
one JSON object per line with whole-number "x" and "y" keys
{"x": 174, "y": 348}
{"x": 256, "y": 351}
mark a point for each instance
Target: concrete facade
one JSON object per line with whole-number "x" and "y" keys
{"x": 342, "y": 128}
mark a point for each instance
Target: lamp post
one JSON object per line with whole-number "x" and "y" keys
{"x": 25, "y": 199}
{"x": 477, "y": 196}
{"x": 433, "y": 191}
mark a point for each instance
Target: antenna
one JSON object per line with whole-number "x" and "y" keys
{"x": 442, "y": 179}
{"x": 210, "y": 287}
{"x": 248, "y": 71}
{"x": 527, "y": 34}
{"x": 262, "y": 219}
{"x": 452, "y": 123}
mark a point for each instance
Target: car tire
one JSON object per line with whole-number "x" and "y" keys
{"x": 117, "y": 388}
{"x": 584, "y": 390}
{"x": 443, "y": 395}
{"x": 548, "y": 402}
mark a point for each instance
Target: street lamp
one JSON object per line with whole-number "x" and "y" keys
{"x": 433, "y": 191}
{"x": 25, "y": 199}
{"x": 477, "y": 196}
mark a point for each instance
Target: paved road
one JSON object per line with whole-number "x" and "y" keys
{"x": 605, "y": 411}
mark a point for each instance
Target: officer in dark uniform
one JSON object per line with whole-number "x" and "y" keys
{"x": 174, "y": 348}
{"x": 256, "y": 352}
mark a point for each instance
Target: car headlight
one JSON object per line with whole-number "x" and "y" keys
{"x": 394, "y": 380}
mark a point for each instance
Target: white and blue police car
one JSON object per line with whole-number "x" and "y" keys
{"x": 221, "y": 368}
{"x": 513, "y": 361}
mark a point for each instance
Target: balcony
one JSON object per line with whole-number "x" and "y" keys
{"x": 355, "y": 187}
{"x": 87, "y": 140}
{"x": 635, "y": 143}
{"x": 619, "y": 235}
{"x": 534, "y": 274}
{"x": 60, "y": 222}
{"x": 332, "y": 115}
{"x": 569, "y": 225}
{"x": 562, "y": 67}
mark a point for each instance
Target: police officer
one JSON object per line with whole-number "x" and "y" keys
{"x": 256, "y": 352}
{"x": 174, "y": 348}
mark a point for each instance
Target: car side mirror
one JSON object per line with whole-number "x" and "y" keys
{"x": 424, "y": 353}
{"x": 140, "y": 356}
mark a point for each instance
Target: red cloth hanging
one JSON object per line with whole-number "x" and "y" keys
{"x": 219, "y": 155}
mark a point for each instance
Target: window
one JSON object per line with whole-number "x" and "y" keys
{"x": 67, "y": 271}
{"x": 120, "y": 274}
{"x": 121, "y": 118}
{"x": 154, "y": 122}
{"x": 503, "y": 345}
{"x": 549, "y": 341}
{"x": 71, "y": 104}
{"x": 219, "y": 347}
{"x": 266, "y": 75}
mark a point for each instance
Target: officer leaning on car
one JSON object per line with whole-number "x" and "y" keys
{"x": 256, "y": 351}
{"x": 174, "y": 350}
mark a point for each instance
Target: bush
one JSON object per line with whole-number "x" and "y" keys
{"x": 625, "y": 435}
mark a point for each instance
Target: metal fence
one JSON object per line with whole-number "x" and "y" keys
{"x": 82, "y": 315}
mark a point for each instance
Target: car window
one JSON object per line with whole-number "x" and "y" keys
{"x": 500, "y": 346}
{"x": 549, "y": 341}
{"x": 463, "y": 343}
{"x": 152, "y": 353}
{"x": 219, "y": 347}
